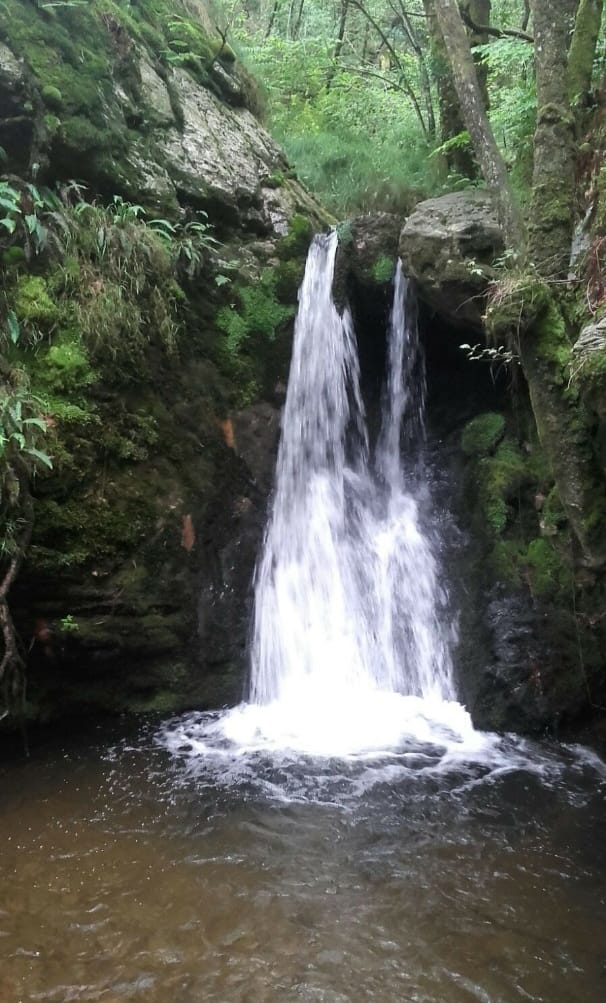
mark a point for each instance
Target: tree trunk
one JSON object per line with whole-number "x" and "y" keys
{"x": 469, "y": 93}
{"x": 272, "y": 18}
{"x": 554, "y": 152}
{"x": 339, "y": 43}
{"x": 564, "y": 426}
{"x": 582, "y": 51}
{"x": 479, "y": 12}
{"x": 459, "y": 159}
{"x": 564, "y": 429}
{"x": 297, "y": 25}
{"x": 424, "y": 79}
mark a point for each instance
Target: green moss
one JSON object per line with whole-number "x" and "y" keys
{"x": 223, "y": 51}
{"x": 288, "y": 278}
{"x": 33, "y": 304}
{"x": 157, "y": 702}
{"x": 98, "y": 528}
{"x": 52, "y": 124}
{"x": 553, "y": 514}
{"x": 482, "y": 434}
{"x": 547, "y": 573}
{"x": 382, "y": 270}
{"x": 63, "y": 368}
{"x": 550, "y": 342}
{"x": 507, "y": 561}
{"x": 275, "y": 180}
{"x": 83, "y": 137}
{"x": 298, "y": 239}
{"x": 500, "y": 477}
{"x": 52, "y": 97}
{"x": 12, "y": 257}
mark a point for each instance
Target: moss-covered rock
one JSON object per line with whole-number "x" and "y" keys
{"x": 367, "y": 253}
{"x": 482, "y": 434}
{"x": 137, "y": 338}
{"x": 146, "y": 100}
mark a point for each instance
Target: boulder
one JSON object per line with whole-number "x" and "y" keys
{"x": 449, "y": 245}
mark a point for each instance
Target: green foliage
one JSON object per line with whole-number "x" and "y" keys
{"x": 257, "y": 312}
{"x": 22, "y": 438}
{"x": 69, "y": 625}
{"x": 510, "y": 65}
{"x": 383, "y": 269}
{"x": 357, "y": 119}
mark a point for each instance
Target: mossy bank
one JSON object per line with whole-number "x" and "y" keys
{"x": 153, "y": 241}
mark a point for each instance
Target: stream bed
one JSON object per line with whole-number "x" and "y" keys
{"x": 133, "y": 872}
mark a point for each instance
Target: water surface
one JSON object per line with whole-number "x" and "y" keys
{"x": 130, "y": 873}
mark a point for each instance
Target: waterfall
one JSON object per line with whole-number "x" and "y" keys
{"x": 348, "y": 600}
{"x": 351, "y": 635}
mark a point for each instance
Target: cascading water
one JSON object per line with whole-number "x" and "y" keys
{"x": 351, "y": 639}
{"x": 347, "y": 593}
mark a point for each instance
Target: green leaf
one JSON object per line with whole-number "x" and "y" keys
{"x": 10, "y": 224}
{"x": 13, "y": 326}
{"x": 11, "y": 204}
{"x": 39, "y": 455}
{"x": 37, "y": 422}
{"x": 15, "y": 412}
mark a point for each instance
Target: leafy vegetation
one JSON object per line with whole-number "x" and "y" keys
{"x": 92, "y": 293}
{"x": 356, "y": 89}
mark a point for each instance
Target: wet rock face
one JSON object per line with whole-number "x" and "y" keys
{"x": 503, "y": 688}
{"x": 138, "y": 592}
{"x": 448, "y": 245}
{"x": 234, "y": 534}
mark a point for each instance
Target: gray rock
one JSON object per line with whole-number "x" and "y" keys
{"x": 181, "y": 143}
{"x": 449, "y": 245}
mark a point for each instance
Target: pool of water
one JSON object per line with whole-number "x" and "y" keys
{"x": 133, "y": 871}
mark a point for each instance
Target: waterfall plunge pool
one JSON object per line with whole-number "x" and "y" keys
{"x": 130, "y": 873}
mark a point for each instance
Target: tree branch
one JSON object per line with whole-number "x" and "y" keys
{"x": 406, "y": 87}
{"x": 487, "y": 29}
